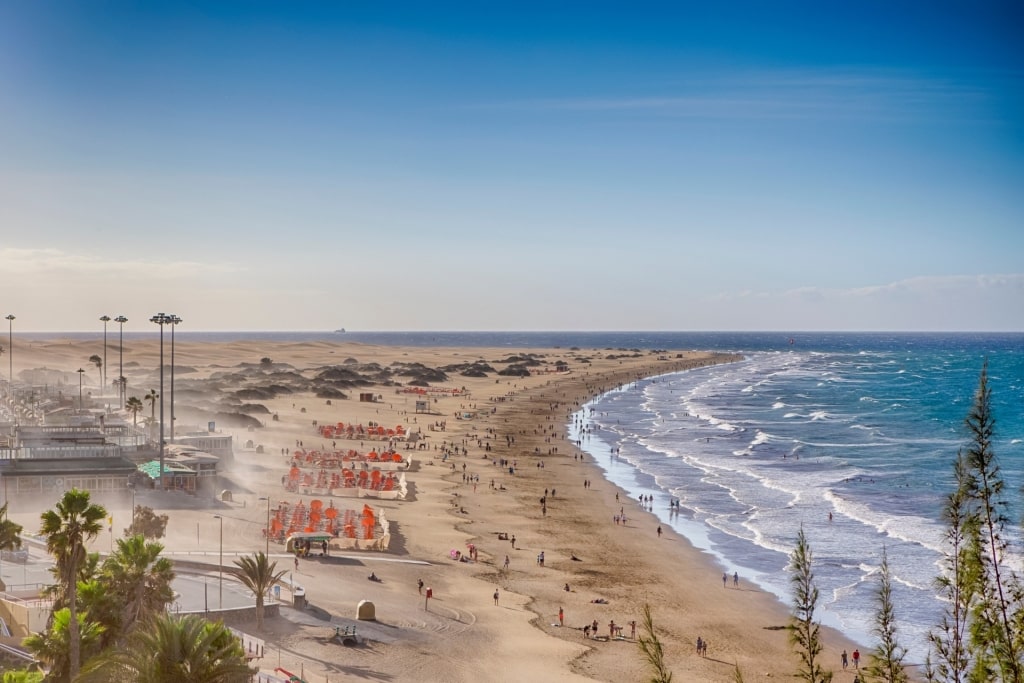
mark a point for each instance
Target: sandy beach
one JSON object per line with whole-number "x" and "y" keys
{"x": 491, "y": 454}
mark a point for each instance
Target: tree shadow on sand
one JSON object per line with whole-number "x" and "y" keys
{"x": 353, "y": 670}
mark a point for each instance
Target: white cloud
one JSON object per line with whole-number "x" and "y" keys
{"x": 988, "y": 302}
{"x": 788, "y": 94}
{"x": 55, "y": 262}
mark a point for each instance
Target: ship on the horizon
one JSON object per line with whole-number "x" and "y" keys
{"x": 340, "y": 331}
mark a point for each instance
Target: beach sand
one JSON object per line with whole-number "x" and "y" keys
{"x": 461, "y": 635}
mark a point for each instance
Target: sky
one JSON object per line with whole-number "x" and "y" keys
{"x": 513, "y": 165}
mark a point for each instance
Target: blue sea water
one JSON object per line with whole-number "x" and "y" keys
{"x": 864, "y": 426}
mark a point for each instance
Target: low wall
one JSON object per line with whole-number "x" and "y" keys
{"x": 239, "y": 616}
{"x": 400, "y": 491}
{"x": 24, "y": 616}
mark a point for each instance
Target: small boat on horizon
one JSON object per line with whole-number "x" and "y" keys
{"x": 340, "y": 331}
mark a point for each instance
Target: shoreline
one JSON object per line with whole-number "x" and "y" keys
{"x": 693, "y": 557}
{"x": 463, "y": 635}
{"x": 692, "y": 530}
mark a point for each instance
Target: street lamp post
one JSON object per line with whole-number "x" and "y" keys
{"x": 220, "y": 571}
{"x": 80, "y": 373}
{"x": 121, "y": 320}
{"x": 268, "y": 525}
{"x": 10, "y": 349}
{"x": 161, "y": 319}
{"x": 173, "y": 320}
{"x": 105, "y": 319}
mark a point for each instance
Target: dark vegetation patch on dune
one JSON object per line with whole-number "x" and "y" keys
{"x": 528, "y": 359}
{"x": 253, "y": 409}
{"x": 255, "y": 394}
{"x": 331, "y": 392}
{"x": 236, "y": 420}
{"x": 515, "y": 370}
{"x": 421, "y": 373}
{"x": 338, "y": 374}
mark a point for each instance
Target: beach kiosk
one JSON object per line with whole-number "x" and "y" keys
{"x": 308, "y": 543}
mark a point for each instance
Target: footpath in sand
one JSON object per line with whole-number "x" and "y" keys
{"x": 465, "y": 633}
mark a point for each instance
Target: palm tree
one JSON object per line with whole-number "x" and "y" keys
{"x": 173, "y": 650}
{"x": 152, "y": 396}
{"x": 98, "y": 362}
{"x": 102, "y": 607}
{"x": 86, "y": 573}
{"x": 134, "y": 406}
{"x": 67, "y": 529}
{"x": 139, "y": 578}
{"x": 10, "y": 532}
{"x": 53, "y": 647}
{"x": 257, "y": 574}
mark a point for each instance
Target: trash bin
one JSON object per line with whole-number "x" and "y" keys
{"x": 299, "y": 598}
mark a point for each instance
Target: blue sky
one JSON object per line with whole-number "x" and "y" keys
{"x": 713, "y": 166}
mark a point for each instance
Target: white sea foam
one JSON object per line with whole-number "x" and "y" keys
{"x": 917, "y": 530}
{"x": 688, "y": 431}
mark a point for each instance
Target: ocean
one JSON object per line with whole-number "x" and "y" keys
{"x": 851, "y": 436}
{"x": 860, "y": 426}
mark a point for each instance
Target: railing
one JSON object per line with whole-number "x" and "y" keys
{"x": 32, "y": 603}
{"x": 15, "y": 652}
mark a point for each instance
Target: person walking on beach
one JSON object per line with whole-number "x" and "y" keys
{"x": 506, "y": 563}
{"x": 495, "y": 596}
{"x": 419, "y": 585}
{"x": 842, "y": 658}
{"x": 856, "y": 659}
{"x": 725, "y": 580}
{"x": 513, "y": 539}
{"x": 659, "y": 531}
{"x": 736, "y": 579}
{"x": 561, "y": 617}
{"x": 700, "y": 644}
